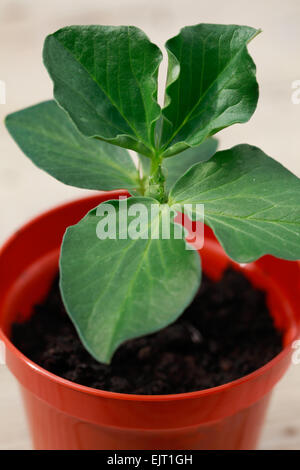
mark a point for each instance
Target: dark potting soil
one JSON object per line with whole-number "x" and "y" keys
{"x": 226, "y": 332}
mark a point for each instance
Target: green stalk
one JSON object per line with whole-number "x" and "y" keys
{"x": 156, "y": 186}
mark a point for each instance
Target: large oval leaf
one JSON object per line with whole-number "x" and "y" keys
{"x": 211, "y": 83}
{"x": 49, "y": 138}
{"x": 251, "y": 202}
{"x": 117, "y": 289}
{"x": 105, "y": 77}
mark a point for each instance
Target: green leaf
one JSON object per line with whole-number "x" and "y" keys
{"x": 105, "y": 77}
{"x": 176, "y": 166}
{"x": 211, "y": 83}
{"x": 251, "y": 202}
{"x": 49, "y": 138}
{"x": 117, "y": 289}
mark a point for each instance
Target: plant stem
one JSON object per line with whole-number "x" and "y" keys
{"x": 156, "y": 188}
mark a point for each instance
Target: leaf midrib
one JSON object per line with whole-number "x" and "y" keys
{"x": 252, "y": 234}
{"x": 130, "y": 287}
{"x": 54, "y": 139}
{"x": 250, "y": 218}
{"x": 109, "y": 97}
{"x": 205, "y": 93}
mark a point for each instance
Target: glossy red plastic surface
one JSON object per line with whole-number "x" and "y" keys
{"x": 64, "y": 415}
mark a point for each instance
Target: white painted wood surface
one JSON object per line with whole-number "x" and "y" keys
{"x": 26, "y": 191}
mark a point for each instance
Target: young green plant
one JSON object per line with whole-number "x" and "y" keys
{"x": 105, "y": 89}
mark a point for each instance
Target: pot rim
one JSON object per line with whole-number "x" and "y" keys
{"x": 115, "y": 395}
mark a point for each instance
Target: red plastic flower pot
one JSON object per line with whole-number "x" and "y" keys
{"x": 65, "y": 415}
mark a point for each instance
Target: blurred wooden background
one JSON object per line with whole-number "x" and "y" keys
{"x": 26, "y": 191}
